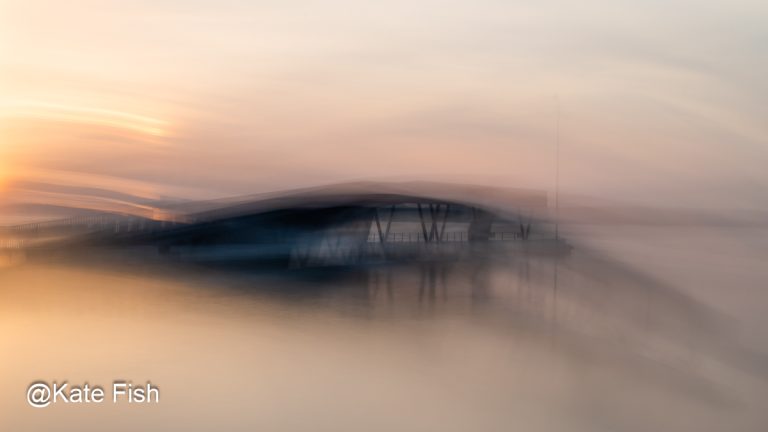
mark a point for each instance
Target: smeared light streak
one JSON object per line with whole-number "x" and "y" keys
{"x": 79, "y": 114}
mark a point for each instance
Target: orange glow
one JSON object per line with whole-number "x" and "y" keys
{"x": 89, "y": 115}
{"x": 3, "y": 179}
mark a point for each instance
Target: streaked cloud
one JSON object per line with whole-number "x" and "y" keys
{"x": 87, "y": 115}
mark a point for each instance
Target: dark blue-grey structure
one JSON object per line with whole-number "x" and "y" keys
{"x": 344, "y": 225}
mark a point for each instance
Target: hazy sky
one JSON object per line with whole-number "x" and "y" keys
{"x": 662, "y": 101}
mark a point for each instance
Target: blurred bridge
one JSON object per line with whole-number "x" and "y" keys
{"x": 335, "y": 225}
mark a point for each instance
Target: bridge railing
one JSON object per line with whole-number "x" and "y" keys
{"x": 454, "y": 236}
{"x": 13, "y": 243}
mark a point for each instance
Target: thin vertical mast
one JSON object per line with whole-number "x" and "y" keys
{"x": 557, "y": 212}
{"x": 557, "y": 170}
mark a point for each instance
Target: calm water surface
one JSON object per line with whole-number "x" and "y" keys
{"x": 639, "y": 329}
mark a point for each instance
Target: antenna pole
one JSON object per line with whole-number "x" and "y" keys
{"x": 557, "y": 170}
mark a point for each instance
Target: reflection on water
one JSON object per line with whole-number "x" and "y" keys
{"x": 530, "y": 342}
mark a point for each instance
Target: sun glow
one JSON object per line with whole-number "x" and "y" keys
{"x": 3, "y": 179}
{"x": 88, "y": 115}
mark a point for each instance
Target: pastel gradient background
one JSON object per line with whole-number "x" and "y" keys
{"x": 662, "y": 102}
{"x": 655, "y": 320}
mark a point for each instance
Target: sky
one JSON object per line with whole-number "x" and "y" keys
{"x": 660, "y": 102}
